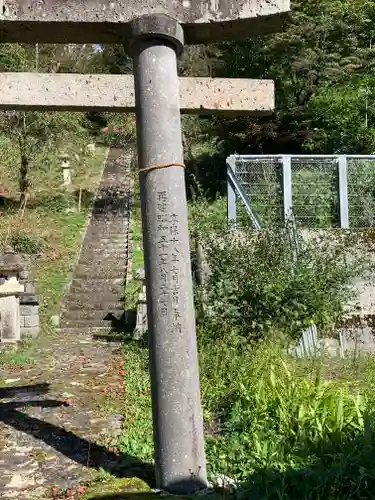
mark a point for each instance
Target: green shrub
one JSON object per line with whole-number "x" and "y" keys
{"x": 60, "y": 202}
{"x": 25, "y": 243}
{"x": 272, "y": 280}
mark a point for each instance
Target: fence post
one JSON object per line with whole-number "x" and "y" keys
{"x": 231, "y": 195}
{"x": 287, "y": 187}
{"x": 343, "y": 191}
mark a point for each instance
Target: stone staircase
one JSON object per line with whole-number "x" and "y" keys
{"x": 93, "y": 299}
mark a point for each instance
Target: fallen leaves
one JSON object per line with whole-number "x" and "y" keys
{"x": 72, "y": 493}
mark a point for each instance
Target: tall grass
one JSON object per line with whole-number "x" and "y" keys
{"x": 270, "y": 410}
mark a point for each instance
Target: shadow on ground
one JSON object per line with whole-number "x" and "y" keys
{"x": 121, "y": 328}
{"x": 79, "y": 449}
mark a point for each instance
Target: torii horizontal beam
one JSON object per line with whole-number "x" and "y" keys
{"x": 104, "y": 21}
{"x": 75, "y": 92}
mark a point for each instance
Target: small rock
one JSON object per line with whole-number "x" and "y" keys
{"x": 140, "y": 274}
{"x": 11, "y": 380}
{"x": 18, "y": 481}
{"x": 224, "y": 482}
{"x": 55, "y": 320}
{"x": 67, "y": 395}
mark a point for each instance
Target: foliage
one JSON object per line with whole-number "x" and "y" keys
{"x": 288, "y": 428}
{"x": 309, "y": 282}
{"x": 341, "y": 122}
{"x": 137, "y": 437}
{"x": 270, "y": 411}
{"x": 25, "y": 243}
{"x": 319, "y": 62}
{"x": 35, "y": 132}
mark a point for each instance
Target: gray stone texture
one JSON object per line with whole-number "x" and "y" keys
{"x": 54, "y": 92}
{"x": 31, "y": 321}
{"x": 26, "y": 310}
{"x": 9, "y": 319}
{"x": 177, "y": 415}
{"x": 106, "y": 21}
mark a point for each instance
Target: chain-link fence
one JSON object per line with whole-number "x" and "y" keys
{"x": 314, "y": 191}
{"x": 361, "y": 191}
{"x": 319, "y": 191}
{"x": 261, "y": 181}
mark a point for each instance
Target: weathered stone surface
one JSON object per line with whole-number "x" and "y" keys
{"x": 28, "y": 310}
{"x": 10, "y": 263}
{"x": 53, "y": 92}
{"x": 32, "y": 331}
{"x": 9, "y": 319}
{"x": 54, "y": 431}
{"x": 31, "y": 321}
{"x": 93, "y": 21}
{"x": 11, "y": 286}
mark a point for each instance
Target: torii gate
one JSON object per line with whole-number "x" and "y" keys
{"x": 153, "y": 31}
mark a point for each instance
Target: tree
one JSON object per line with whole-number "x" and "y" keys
{"x": 325, "y": 49}
{"x": 35, "y": 132}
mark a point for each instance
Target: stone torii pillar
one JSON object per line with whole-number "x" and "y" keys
{"x": 154, "y": 33}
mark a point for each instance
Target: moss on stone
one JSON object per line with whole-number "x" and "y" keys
{"x": 126, "y": 486}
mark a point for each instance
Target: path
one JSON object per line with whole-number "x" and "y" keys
{"x": 53, "y": 427}
{"x": 60, "y": 415}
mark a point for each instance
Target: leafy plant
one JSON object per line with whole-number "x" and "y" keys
{"x": 26, "y": 243}
{"x": 256, "y": 285}
{"x": 271, "y": 411}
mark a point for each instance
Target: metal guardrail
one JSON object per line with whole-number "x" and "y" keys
{"x": 321, "y": 191}
{"x": 282, "y": 185}
{"x": 238, "y": 190}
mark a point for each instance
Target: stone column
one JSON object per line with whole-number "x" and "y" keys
{"x": 177, "y": 415}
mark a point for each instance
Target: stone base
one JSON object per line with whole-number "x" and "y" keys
{"x": 29, "y": 316}
{"x": 30, "y": 332}
{"x": 141, "y": 325}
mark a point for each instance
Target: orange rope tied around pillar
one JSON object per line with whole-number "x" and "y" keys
{"x": 162, "y": 165}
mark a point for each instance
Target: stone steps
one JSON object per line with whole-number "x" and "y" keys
{"x": 74, "y": 304}
{"x": 94, "y": 297}
{"x": 80, "y": 323}
{"x": 104, "y": 251}
{"x": 84, "y": 285}
{"x": 95, "y": 316}
{"x": 98, "y": 258}
{"x": 107, "y": 244}
{"x": 111, "y": 272}
{"x": 106, "y": 301}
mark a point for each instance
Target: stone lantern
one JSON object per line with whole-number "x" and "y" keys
{"x": 19, "y": 306}
{"x": 66, "y": 170}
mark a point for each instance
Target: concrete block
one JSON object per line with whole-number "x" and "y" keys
{"x": 26, "y": 310}
{"x": 30, "y": 332}
{"x": 31, "y": 321}
{"x": 30, "y": 288}
{"x": 55, "y": 320}
{"x": 9, "y": 319}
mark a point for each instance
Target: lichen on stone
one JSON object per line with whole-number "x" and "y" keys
{"x": 130, "y": 487}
